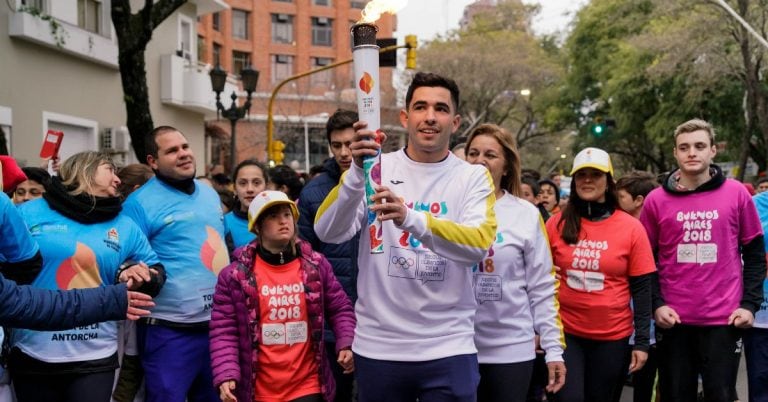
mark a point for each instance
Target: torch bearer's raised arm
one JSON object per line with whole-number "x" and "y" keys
{"x": 365, "y": 54}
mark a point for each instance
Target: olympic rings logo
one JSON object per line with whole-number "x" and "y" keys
{"x": 402, "y": 262}
{"x": 274, "y": 334}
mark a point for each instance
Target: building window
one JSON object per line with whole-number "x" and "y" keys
{"x": 282, "y": 67}
{"x": 5, "y": 140}
{"x": 200, "y": 46}
{"x": 323, "y": 78}
{"x": 322, "y": 31}
{"x": 89, "y": 15}
{"x": 239, "y": 24}
{"x": 357, "y": 4}
{"x": 326, "y": 3}
{"x": 186, "y": 33}
{"x": 216, "y": 54}
{"x": 39, "y": 5}
{"x": 240, "y": 60}
{"x": 217, "y": 21}
{"x": 282, "y": 28}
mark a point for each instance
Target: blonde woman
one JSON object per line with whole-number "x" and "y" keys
{"x": 85, "y": 243}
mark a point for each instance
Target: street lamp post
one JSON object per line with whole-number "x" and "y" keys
{"x": 250, "y": 78}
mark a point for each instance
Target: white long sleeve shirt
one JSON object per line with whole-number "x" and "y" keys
{"x": 416, "y": 301}
{"x": 516, "y": 290}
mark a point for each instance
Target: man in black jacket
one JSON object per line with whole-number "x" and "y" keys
{"x": 343, "y": 257}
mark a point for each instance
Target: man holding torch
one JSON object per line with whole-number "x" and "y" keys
{"x": 416, "y": 307}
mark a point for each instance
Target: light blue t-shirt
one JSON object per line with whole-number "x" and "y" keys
{"x": 187, "y": 233}
{"x": 761, "y": 315}
{"x": 237, "y": 228}
{"x": 77, "y": 256}
{"x": 15, "y": 243}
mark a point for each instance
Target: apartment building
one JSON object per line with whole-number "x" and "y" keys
{"x": 60, "y": 71}
{"x": 282, "y": 38}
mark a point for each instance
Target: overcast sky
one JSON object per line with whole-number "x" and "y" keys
{"x": 427, "y": 18}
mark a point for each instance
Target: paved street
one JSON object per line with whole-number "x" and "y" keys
{"x": 741, "y": 385}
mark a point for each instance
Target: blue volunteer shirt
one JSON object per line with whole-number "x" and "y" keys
{"x": 187, "y": 233}
{"x": 237, "y": 228}
{"x": 761, "y": 202}
{"x": 15, "y": 243}
{"x": 77, "y": 256}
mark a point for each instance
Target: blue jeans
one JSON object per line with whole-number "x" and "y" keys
{"x": 451, "y": 379}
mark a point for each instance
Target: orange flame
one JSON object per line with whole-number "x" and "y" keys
{"x": 375, "y": 8}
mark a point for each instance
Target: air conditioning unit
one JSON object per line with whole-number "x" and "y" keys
{"x": 115, "y": 139}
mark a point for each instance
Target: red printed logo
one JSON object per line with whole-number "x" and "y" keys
{"x": 366, "y": 83}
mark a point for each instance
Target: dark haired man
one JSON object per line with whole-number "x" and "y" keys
{"x": 342, "y": 256}
{"x": 416, "y": 306}
{"x": 706, "y": 234}
{"x": 184, "y": 224}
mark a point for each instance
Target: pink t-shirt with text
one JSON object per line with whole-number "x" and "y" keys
{"x": 697, "y": 237}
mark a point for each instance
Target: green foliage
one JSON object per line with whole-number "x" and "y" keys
{"x": 57, "y": 32}
{"x": 649, "y": 69}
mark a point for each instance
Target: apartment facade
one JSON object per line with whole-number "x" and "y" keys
{"x": 282, "y": 38}
{"x": 60, "y": 71}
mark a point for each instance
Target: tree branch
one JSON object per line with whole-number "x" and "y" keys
{"x": 163, "y": 9}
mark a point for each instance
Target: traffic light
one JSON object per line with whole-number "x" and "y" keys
{"x": 277, "y": 152}
{"x": 410, "y": 56}
{"x": 601, "y": 127}
{"x": 598, "y": 127}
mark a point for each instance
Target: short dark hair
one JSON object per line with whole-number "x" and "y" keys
{"x": 422, "y": 79}
{"x": 37, "y": 174}
{"x": 532, "y": 183}
{"x": 150, "y": 141}
{"x": 282, "y": 175}
{"x": 532, "y": 173}
{"x": 637, "y": 183}
{"x": 341, "y": 119}
{"x": 221, "y": 179}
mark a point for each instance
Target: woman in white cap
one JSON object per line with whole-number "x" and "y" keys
{"x": 269, "y": 310}
{"x": 606, "y": 259}
{"x": 514, "y": 283}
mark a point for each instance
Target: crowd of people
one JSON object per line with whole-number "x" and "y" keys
{"x": 494, "y": 285}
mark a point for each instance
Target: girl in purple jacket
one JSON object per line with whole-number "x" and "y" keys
{"x": 268, "y": 314}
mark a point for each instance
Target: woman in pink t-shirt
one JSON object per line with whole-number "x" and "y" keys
{"x": 605, "y": 259}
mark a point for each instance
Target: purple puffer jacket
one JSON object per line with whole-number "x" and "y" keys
{"x": 235, "y": 328}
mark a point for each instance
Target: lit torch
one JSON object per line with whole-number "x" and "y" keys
{"x": 365, "y": 55}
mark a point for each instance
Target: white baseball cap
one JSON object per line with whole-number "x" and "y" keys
{"x": 264, "y": 201}
{"x": 592, "y": 158}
